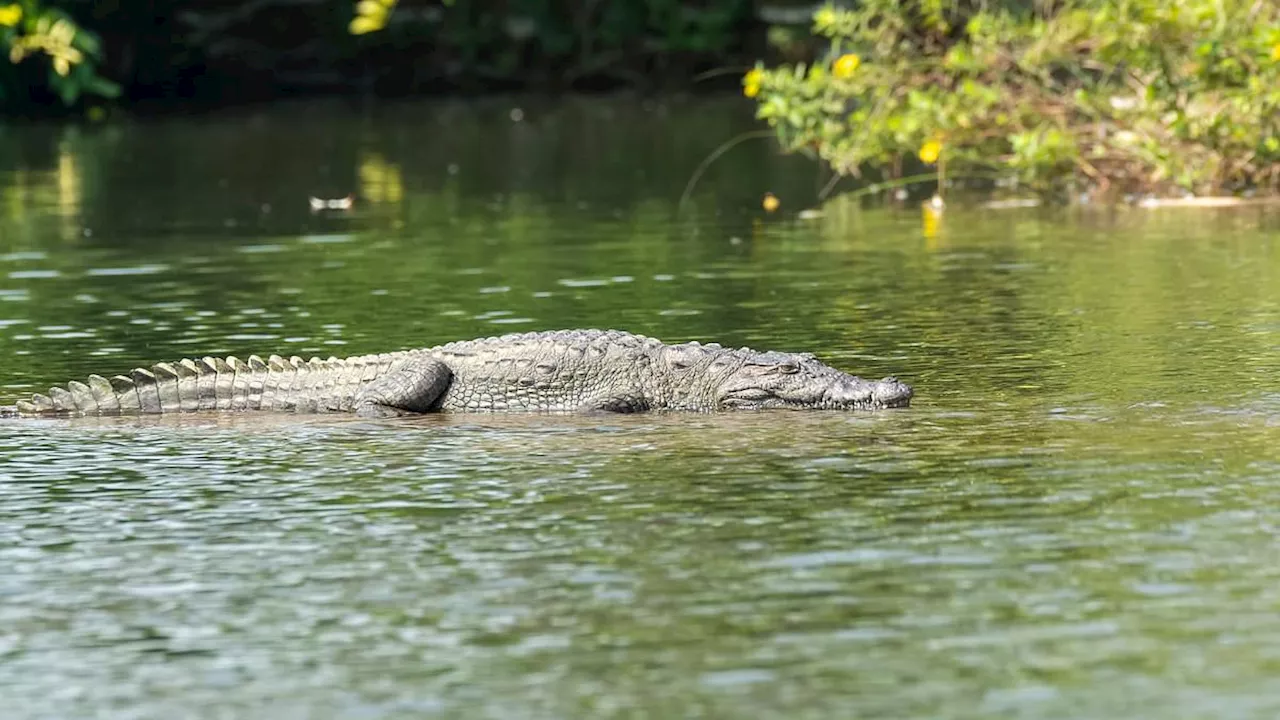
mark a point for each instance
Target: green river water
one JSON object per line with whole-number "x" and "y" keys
{"x": 1078, "y": 517}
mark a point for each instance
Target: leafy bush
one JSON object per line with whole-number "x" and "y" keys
{"x": 34, "y": 38}
{"x": 524, "y": 39}
{"x": 1104, "y": 95}
{"x": 219, "y": 52}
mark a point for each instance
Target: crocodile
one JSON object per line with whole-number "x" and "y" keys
{"x": 546, "y": 372}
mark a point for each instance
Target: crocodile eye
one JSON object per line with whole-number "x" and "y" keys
{"x": 788, "y": 368}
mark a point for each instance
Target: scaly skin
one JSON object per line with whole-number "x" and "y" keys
{"x": 556, "y": 371}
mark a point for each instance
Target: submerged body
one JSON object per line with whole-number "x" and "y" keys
{"x": 556, "y": 371}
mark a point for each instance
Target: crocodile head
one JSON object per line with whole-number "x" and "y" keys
{"x": 799, "y": 381}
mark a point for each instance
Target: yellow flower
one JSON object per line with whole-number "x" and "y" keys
{"x": 770, "y": 202}
{"x": 62, "y": 33}
{"x": 751, "y": 82}
{"x": 10, "y": 15}
{"x": 371, "y": 8}
{"x": 361, "y": 25}
{"x": 930, "y": 151}
{"x": 371, "y": 16}
{"x": 1275, "y": 49}
{"x": 846, "y": 65}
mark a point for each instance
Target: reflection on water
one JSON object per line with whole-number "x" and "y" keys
{"x": 1076, "y": 518}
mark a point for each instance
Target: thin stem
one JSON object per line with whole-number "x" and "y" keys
{"x": 715, "y": 154}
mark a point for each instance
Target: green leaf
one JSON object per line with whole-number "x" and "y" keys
{"x": 102, "y": 87}
{"x": 66, "y": 87}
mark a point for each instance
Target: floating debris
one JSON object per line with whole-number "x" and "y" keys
{"x": 342, "y": 203}
{"x": 1193, "y": 201}
{"x": 1011, "y": 203}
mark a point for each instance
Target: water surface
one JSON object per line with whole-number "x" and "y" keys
{"x": 1078, "y": 516}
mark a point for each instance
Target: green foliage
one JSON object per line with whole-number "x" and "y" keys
{"x": 571, "y": 38}
{"x": 1133, "y": 95}
{"x": 224, "y": 51}
{"x": 44, "y": 46}
{"x": 521, "y": 39}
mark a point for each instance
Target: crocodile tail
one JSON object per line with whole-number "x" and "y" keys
{"x": 135, "y": 392}
{"x": 76, "y": 398}
{"x": 211, "y": 384}
{"x": 140, "y": 391}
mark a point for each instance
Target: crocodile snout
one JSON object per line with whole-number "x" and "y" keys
{"x": 890, "y": 392}
{"x": 854, "y": 392}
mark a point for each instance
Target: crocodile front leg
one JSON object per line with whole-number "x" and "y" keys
{"x": 415, "y": 386}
